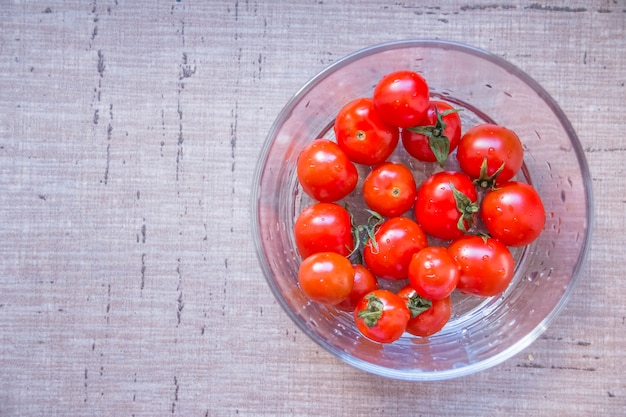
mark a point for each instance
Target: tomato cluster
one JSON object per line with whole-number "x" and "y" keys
{"x": 451, "y": 232}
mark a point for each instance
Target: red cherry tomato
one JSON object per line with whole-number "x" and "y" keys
{"x": 436, "y": 136}
{"x": 395, "y": 241}
{"x": 324, "y": 227}
{"x": 325, "y": 172}
{"x": 487, "y": 266}
{"x": 513, "y": 213}
{"x": 389, "y": 189}
{"x": 362, "y": 135}
{"x": 446, "y": 204}
{"x": 490, "y": 154}
{"x": 433, "y": 273}
{"x": 364, "y": 283}
{"x": 326, "y": 277}
{"x": 427, "y": 317}
{"x": 401, "y": 98}
{"x": 382, "y": 316}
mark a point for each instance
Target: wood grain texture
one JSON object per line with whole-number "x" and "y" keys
{"x": 129, "y": 132}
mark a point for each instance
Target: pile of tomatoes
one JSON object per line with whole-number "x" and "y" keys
{"x": 474, "y": 213}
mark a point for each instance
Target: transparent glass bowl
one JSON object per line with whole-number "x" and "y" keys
{"x": 483, "y": 332}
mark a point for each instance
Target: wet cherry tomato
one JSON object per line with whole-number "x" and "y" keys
{"x": 395, "y": 241}
{"x": 326, "y": 277}
{"x": 382, "y": 316}
{"x": 362, "y": 135}
{"x": 513, "y": 213}
{"x": 427, "y": 317}
{"x": 433, "y": 273}
{"x": 436, "y": 136}
{"x": 487, "y": 266}
{"x": 401, "y": 98}
{"x": 490, "y": 154}
{"x": 389, "y": 189}
{"x": 325, "y": 172}
{"x": 324, "y": 227}
{"x": 446, "y": 204}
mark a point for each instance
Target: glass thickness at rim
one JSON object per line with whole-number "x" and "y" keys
{"x": 418, "y": 374}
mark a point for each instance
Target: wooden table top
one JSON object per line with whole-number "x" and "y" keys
{"x": 129, "y": 133}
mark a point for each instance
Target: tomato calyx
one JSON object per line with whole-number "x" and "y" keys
{"x": 466, "y": 207}
{"x": 364, "y": 233}
{"x": 373, "y": 311}
{"x": 485, "y": 180}
{"x": 439, "y": 143}
{"x": 418, "y": 304}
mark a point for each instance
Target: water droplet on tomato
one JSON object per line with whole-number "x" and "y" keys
{"x": 486, "y": 258}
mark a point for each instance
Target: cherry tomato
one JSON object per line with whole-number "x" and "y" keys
{"x": 362, "y": 135}
{"x": 490, "y": 154}
{"x": 395, "y": 241}
{"x": 513, "y": 213}
{"x": 324, "y": 227}
{"x": 382, "y": 316}
{"x": 427, "y": 317}
{"x": 401, "y": 98}
{"x": 364, "y": 283}
{"x": 389, "y": 189}
{"x": 436, "y": 136}
{"x": 325, "y": 171}
{"x": 446, "y": 204}
{"x": 433, "y": 273}
{"x": 326, "y": 277}
{"x": 487, "y": 266}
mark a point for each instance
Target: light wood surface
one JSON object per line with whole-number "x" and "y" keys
{"x": 129, "y": 132}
